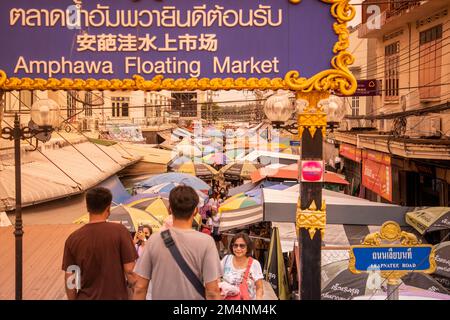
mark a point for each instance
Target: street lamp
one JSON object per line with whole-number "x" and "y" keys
{"x": 312, "y": 110}
{"x": 44, "y": 118}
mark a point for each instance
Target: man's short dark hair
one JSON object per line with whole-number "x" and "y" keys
{"x": 98, "y": 199}
{"x": 183, "y": 200}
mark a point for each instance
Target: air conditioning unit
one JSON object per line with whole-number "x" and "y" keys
{"x": 435, "y": 125}
{"x": 404, "y": 101}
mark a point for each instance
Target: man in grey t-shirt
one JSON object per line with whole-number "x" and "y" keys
{"x": 198, "y": 249}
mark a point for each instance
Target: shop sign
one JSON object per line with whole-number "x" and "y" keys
{"x": 377, "y": 173}
{"x": 350, "y": 152}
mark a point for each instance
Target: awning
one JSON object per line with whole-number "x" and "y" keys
{"x": 281, "y": 206}
{"x": 290, "y": 172}
{"x": 241, "y": 217}
{"x": 428, "y": 219}
{"x": 62, "y": 172}
{"x": 337, "y": 241}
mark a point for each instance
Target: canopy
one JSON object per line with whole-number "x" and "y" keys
{"x": 163, "y": 190}
{"x": 267, "y": 157}
{"x": 428, "y": 219}
{"x": 201, "y": 170}
{"x": 290, "y": 172}
{"x": 239, "y": 170}
{"x": 442, "y": 273}
{"x": 183, "y": 178}
{"x": 120, "y": 195}
{"x": 281, "y": 206}
{"x": 339, "y": 283}
{"x": 131, "y": 217}
{"x": 216, "y": 158}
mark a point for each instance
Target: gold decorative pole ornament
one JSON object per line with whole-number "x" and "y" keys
{"x": 311, "y": 209}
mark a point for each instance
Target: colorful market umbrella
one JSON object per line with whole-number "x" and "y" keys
{"x": 339, "y": 283}
{"x": 163, "y": 191}
{"x": 130, "y": 217}
{"x": 201, "y": 170}
{"x": 235, "y": 153}
{"x": 216, "y": 158}
{"x": 239, "y": 170}
{"x": 176, "y": 177}
{"x": 429, "y": 219}
{"x": 442, "y": 273}
{"x": 158, "y": 206}
{"x": 240, "y": 201}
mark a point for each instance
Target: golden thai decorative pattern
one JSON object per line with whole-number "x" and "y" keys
{"x": 391, "y": 231}
{"x": 338, "y": 78}
{"x": 312, "y": 219}
{"x": 312, "y": 122}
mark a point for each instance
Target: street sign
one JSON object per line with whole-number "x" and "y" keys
{"x": 391, "y": 253}
{"x": 392, "y": 258}
{"x": 294, "y": 143}
{"x": 213, "y": 44}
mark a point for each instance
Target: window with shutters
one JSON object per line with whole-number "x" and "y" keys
{"x": 391, "y": 76}
{"x": 355, "y": 106}
{"x": 430, "y": 63}
{"x": 88, "y": 104}
{"x": 120, "y": 106}
{"x": 71, "y": 105}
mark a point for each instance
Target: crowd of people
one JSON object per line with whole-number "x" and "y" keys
{"x": 176, "y": 263}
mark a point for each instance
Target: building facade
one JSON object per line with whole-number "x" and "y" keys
{"x": 406, "y": 158}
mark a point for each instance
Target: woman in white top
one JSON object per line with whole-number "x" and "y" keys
{"x": 234, "y": 266}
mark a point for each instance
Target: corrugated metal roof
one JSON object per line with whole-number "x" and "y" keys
{"x": 43, "y": 248}
{"x": 80, "y": 170}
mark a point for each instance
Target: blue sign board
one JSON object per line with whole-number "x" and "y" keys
{"x": 392, "y": 258}
{"x": 116, "y": 39}
{"x": 294, "y": 143}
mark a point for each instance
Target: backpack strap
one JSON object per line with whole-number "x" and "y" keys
{"x": 190, "y": 275}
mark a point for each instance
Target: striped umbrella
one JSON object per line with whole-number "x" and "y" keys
{"x": 234, "y": 153}
{"x": 216, "y": 158}
{"x": 130, "y": 217}
{"x": 240, "y": 201}
{"x": 158, "y": 207}
{"x": 175, "y": 177}
{"x": 201, "y": 170}
{"x": 240, "y": 170}
{"x": 339, "y": 283}
{"x": 163, "y": 191}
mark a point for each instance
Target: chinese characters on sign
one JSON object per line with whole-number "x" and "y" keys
{"x": 113, "y": 39}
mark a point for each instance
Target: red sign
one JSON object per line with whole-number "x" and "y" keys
{"x": 312, "y": 171}
{"x": 377, "y": 173}
{"x": 350, "y": 152}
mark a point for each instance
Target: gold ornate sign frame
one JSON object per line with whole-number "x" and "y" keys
{"x": 390, "y": 231}
{"x": 338, "y": 78}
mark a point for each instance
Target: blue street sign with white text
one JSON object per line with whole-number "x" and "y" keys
{"x": 392, "y": 258}
{"x": 294, "y": 143}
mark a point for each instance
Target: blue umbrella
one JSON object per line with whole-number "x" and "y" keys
{"x": 182, "y": 178}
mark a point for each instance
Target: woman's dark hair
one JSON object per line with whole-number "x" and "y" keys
{"x": 247, "y": 241}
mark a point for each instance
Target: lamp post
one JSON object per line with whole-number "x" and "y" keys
{"x": 44, "y": 118}
{"x": 312, "y": 109}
